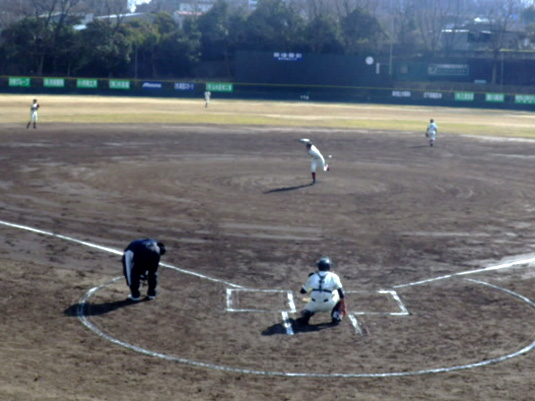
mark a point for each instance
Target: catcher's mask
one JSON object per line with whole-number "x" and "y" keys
{"x": 162, "y": 248}
{"x": 324, "y": 264}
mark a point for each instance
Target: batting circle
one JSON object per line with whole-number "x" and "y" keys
{"x": 82, "y": 308}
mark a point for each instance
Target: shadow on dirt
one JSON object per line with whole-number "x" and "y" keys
{"x": 284, "y": 189}
{"x": 89, "y": 309}
{"x": 297, "y": 327}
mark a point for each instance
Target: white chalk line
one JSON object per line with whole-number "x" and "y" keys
{"x": 520, "y": 296}
{"x": 287, "y": 324}
{"x": 356, "y": 325}
{"x": 230, "y": 300}
{"x": 112, "y": 250}
{"x": 518, "y": 262}
{"x": 84, "y": 319}
{"x": 395, "y": 297}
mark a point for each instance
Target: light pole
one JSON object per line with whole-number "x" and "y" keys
{"x": 391, "y": 38}
{"x": 501, "y": 72}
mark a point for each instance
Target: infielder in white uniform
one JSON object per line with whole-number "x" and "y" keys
{"x": 33, "y": 114}
{"x": 326, "y": 293}
{"x": 431, "y": 132}
{"x": 317, "y": 159}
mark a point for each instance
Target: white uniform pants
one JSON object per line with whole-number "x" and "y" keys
{"x": 321, "y": 301}
{"x": 315, "y": 163}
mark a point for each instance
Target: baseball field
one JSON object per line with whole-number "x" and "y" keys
{"x": 435, "y": 247}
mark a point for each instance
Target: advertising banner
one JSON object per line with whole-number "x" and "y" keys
{"x": 53, "y": 82}
{"x": 152, "y": 85}
{"x": 525, "y": 99}
{"x": 494, "y": 97}
{"x": 87, "y": 83}
{"x": 119, "y": 84}
{"x": 184, "y": 86}
{"x": 19, "y": 82}
{"x": 464, "y": 96}
{"x": 219, "y": 87}
{"x": 288, "y": 56}
{"x": 401, "y": 93}
{"x": 432, "y": 95}
{"x": 449, "y": 70}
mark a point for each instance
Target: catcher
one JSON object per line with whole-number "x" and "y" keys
{"x": 326, "y": 293}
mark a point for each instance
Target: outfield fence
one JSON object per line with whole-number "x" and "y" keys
{"x": 498, "y": 99}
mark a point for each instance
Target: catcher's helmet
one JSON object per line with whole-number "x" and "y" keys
{"x": 325, "y": 264}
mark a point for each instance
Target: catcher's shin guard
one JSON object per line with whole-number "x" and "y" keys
{"x": 305, "y": 316}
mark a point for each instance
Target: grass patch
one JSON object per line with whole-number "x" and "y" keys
{"x": 14, "y": 109}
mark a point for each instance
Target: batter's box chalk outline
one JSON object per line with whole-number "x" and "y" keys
{"x": 84, "y": 318}
{"x": 231, "y": 307}
{"x": 389, "y": 293}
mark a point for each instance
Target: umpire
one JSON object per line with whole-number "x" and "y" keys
{"x": 140, "y": 260}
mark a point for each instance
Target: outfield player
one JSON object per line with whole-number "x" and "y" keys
{"x": 431, "y": 132}
{"x": 317, "y": 159}
{"x": 140, "y": 260}
{"x": 33, "y": 114}
{"x": 326, "y": 293}
{"x": 207, "y": 96}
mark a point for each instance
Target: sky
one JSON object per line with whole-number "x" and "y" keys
{"x": 133, "y": 3}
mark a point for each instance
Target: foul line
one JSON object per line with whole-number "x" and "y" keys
{"x": 82, "y": 306}
{"x": 465, "y": 273}
{"x": 112, "y": 250}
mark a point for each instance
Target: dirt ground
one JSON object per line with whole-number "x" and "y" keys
{"x": 435, "y": 247}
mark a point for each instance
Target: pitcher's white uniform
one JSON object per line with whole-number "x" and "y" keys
{"x": 323, "y": 287}
{"x": 317, "y": 159}
{"x": 431, "y": 132}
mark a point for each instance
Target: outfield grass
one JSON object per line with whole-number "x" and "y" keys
{"x": 94, "y": 109}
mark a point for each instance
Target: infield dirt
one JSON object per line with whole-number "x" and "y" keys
{"x": 235, "y": 208}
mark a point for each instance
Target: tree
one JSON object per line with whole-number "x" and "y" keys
{"x": 313, "y": 9}
{"x": 361, "y": 32}
{"x": 105, "y": 7}
{"x": 214, "y": 28}
{"x": 145, "y": 38}
{"x": 274, "y": 26}
{"x": 48, "y": 40}
{"x": 500, "y": 17}
{"x": 20, "y": 41}
{"x": 180, "y": 52}
{"x": 431, "y": 19}
{"x": 107, "y": 48}
{"x": 323, "y": 35}
{"x": 402, "y": 29}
